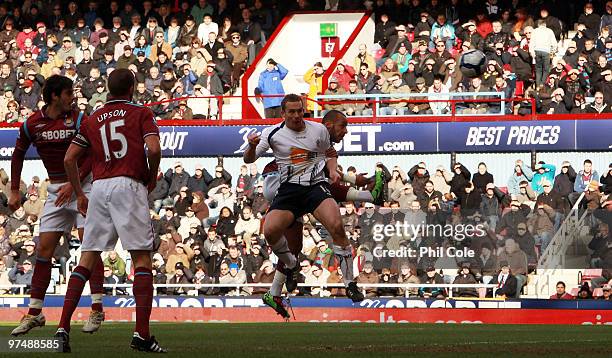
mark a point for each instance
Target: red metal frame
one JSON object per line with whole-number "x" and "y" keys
{"x": 248, "y": 109}
{"x": 345, "y": 48}
{"x": 374, "y": 118}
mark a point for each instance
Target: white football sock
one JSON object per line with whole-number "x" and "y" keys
{"x": 281, "y": 250}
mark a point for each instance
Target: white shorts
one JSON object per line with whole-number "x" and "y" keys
{"x": 62, "y": 218}
{"x": 118, "y": 208}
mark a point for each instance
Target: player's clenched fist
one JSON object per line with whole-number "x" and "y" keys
{"x": 82, "y": 203}
{"x": 334, "y": 177}
{"x": 254, "y": 139}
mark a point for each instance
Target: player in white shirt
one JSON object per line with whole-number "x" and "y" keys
{"x": 300, "y": 148}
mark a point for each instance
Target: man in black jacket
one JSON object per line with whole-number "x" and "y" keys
{"x": 506, "y": 282}
{"x": 482, "y": 178}
{"x": 176, "y": 179}
{"x": 200, "y": 180}
{"x": 510, "y": 220}
{"x": 554, "y": 200}
{"x": 564, "y": 182}
{"x": 460, "y": 178}
{"x": 419, "y": 176}
{"x": 222, "y": 176}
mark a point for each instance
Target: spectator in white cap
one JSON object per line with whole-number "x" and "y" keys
{"x": 333, "y": 89}
{"x": 606, "y": 293}
{"x": 557, "y": 104}
{"x": 27, "y": 251}
{"x": 21, "y": 275}
{"x": 187, "y": 221}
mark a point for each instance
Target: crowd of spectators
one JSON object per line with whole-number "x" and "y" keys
{"x": 529, "y": 58}
{"x": 179, "y": 49}
{"x": 208, "y": 229}
{"x": 208, "y": 226}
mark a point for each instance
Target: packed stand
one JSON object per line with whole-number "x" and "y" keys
{"x": 200, "y": 48}
{"x": 208, "y": 230}
{"x": 528, "y": 56}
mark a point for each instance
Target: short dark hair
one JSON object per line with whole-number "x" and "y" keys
{"x": 291, "y": 97}
{"x": 120, "y": 81}
{"x": 332, "y": 115}
{"x": 55, "y": 85}
{"x": 560, "y": 283}
{"x": 588, "y": 161}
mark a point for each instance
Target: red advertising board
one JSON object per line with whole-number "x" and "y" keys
{"x": 341, "y": 315}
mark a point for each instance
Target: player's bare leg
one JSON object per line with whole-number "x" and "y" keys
{"x": 328, "y": 214}
{"x": 275, "y": 225}
{"x": 40, "y": 283}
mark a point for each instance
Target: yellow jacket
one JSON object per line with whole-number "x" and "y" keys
{"x": 46, "y": 69}
{"x": 316, "y": 87}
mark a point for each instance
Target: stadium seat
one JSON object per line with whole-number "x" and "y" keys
{"x": 590, "y": 274}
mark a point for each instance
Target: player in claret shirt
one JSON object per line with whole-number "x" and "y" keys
{"x": 51, "y": 131}
{"x": 124, "y": 172}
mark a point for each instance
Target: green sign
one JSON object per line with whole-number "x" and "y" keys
{"x": 328, "y": 29}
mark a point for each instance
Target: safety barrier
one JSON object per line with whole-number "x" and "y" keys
{"x": 406, "y": 287}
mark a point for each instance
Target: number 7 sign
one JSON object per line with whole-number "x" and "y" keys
{"x": 330, "y": 46}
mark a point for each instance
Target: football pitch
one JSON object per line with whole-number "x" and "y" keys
{"x": 342, "y": 340}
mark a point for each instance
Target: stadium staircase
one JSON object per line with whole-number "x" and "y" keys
{"x": 565, "y": 256}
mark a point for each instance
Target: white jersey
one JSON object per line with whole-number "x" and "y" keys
{"x": 300, "y": 155}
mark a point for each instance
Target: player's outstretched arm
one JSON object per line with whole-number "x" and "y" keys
{"x": 71, "y": 159}
{"x": 154, "y": 157}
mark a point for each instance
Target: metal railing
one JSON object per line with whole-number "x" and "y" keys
{"x": 450, "y": 101}
{"x": 456, "y": 100}
{"x": 238, "y": 286}
{"x": 554, "y": 255}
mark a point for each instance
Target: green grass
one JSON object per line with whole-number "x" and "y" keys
{"x": 344, "y": 340}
